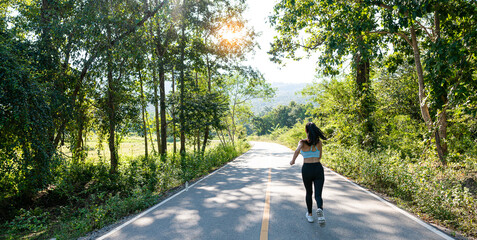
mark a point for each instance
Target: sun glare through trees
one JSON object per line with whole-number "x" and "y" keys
{"x": 231, "y": 33}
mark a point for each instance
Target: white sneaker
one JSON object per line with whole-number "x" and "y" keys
{"x": 320, "y": 215}
{"x": 309, "y": 218}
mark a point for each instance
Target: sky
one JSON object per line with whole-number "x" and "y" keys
{"x": 302, "y": 71}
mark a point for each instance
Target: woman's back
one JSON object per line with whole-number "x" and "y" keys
{"x": 311, "y": 153}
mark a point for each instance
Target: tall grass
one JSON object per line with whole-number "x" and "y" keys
{"x": 429, "y": 190}
{"x": 87, "y": 197}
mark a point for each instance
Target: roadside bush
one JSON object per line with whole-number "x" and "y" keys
{"x": 197, "y": 164}
{"x": 402, "y": 133}
{"x": 35, "y": 220}
{"x": 76, "y": 181}
{"x": 287, "y": 136}
{"x": 434, "y": 190}
{"x": 88, "y": 197}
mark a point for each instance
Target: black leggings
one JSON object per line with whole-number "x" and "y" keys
{"x": 313, "y": 173}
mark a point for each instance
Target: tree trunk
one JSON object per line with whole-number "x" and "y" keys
{"x": 182, "y": 87}
{"x": 151, "y": 139}
{"x": 362, "y": 92}
{"x": 198, "y": 139}
{"x": 221, "y": 136}
{"x": 442, "y": 125}
{"x": 231, "y": 130}
{"x": 156, "y": 107}
{"x": 209, "y": 88}
{"x": 198, "y": 127}
{"x": 112, "y": 117}
{"x": 79, "y": 140}
{"x": 155, "y": 97}
{"x": 174, "y": 115}
{"x": 442, "y": 116}
{"x": 420, "y": 77}
{"x": 422, "y": 98}
{"x": 196, "y": 80}
{"x": 79, "y": 143}
{"x": 143, "y": 109}
{"x": 209, "y": 82}
{"x": 111, "y": 107}
{"x": 206, "y": 138}
{"x": 362, "y": 74}
{"x": 163, "y": 149}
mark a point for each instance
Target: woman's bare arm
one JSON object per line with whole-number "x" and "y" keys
{"x": 297, "y": 151}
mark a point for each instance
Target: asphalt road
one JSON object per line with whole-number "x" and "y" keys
{"x": 260, "y": 196}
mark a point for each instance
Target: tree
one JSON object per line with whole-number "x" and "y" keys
{"x": 25, "y": 158}
{"x": 220, "y": 36}
{"x": 203, "y": 52}
{"x": 280, "y": 116}
{"x": 338, "y": 29}
{"x": 443, "y": 31}
{"x": 241, "y": 86}
{"x": 163, "y": 34}
{"x": 427, "y": 29}
{"x": 182, "y": 66}
{"x": 398, "y": 118}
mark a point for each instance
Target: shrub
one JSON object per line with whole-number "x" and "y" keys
{"x": 91, "y": 197}
{"x": 29, "y": 221}
{"x": 435, "y": 191}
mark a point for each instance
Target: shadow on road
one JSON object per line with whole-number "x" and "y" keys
{"x": 229, "y": 205}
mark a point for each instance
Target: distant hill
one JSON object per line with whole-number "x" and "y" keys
{"x": 285, "y": 93}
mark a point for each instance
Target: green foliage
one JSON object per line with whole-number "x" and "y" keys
{"x": 244, "y": 84}
{"x": 437, "y": 192}
{"x": 399, "y": 125}
{"x": 280, "y": 116}
{"x": 35, "y": 220}
{"x": 202, "y": 109}
{"x": 441, "y": 32}
{"x": 337, "y": 28}
{"x": 462, "y": 134}
{"x": 286, "y": 136}
{"x": 198, "y": 164}
{"x": 338, "y": 110}
{"x": 88, "y": 197}
{"x": 25, "y": 152}
{"x": 290, "y": 137}
{"x": 100, "y": 210}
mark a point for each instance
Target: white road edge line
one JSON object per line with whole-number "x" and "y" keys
{"x": 163, "y": 202}
{"x": 424, "y": 224}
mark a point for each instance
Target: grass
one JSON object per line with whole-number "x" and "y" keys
{"x": 130, "y": 146}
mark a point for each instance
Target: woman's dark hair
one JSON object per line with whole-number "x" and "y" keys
{"x": 314, "y": 134}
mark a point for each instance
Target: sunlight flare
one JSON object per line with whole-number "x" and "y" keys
{"x": 231, "y": 33}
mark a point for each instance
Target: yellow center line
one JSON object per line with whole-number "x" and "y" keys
{"x": 266, "y": 209}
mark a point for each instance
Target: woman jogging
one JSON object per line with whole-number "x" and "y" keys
{"x": 312, "y": 171}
